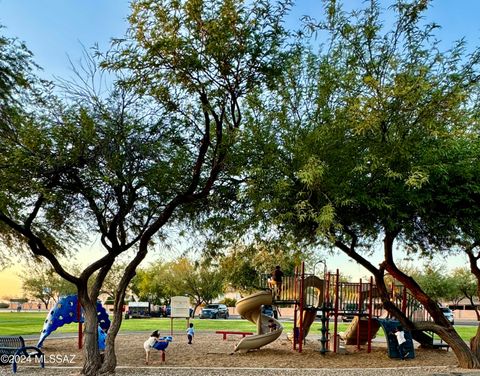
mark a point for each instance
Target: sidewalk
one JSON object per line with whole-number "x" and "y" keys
{"x": 195, "y": 371}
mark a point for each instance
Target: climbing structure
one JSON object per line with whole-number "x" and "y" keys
{"x": 67, "y": 311}
{"x": 305, "y": 292}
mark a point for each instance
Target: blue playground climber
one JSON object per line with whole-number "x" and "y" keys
{"x": 389, "y": 327}
{"x": 65, "y": 312}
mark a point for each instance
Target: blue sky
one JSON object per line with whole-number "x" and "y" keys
{"x": 53, "y": 29}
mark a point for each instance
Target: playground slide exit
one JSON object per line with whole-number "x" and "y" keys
{"x": 250, "y": 308}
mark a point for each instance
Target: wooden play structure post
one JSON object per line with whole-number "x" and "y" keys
{"x": 335, "y": 323}
{"x": 295, "y": 331}
{"x": 370, "y": 298}
{"x": 359, "y": 307}
{"x": 404, "y": 300}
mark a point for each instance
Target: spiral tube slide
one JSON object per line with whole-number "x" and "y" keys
{"x": 250, "y": 308}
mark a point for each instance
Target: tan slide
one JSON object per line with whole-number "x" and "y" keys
{"x": 250, "y": 308}
{"x": 313, "y": 286}
{"x": 351, "y": 335}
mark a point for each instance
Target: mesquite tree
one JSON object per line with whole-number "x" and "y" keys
{"x": 363, "y": 139}
{"x": 122, "y": 165}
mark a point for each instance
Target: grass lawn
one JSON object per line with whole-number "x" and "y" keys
{"x": 25, "y": 323}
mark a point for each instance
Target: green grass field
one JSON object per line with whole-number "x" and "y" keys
{"x": 26, "y": 323}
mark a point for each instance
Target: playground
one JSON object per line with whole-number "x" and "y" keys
{"x": 360, "y": 346}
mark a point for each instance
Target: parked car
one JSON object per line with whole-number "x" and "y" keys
{"x": 214, "y": 311}
{"x": 270, "y": 311}
{"x": 448, "y": 313}
{"x": 166, "y": 311}
{"x": 347, "y": 317}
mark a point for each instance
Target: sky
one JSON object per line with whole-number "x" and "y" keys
{"x": 55, "y": 30}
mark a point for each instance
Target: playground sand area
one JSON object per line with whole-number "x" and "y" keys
{"x": 210, "y": 350}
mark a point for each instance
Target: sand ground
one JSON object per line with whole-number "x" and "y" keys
{"x": 209, "y": 350}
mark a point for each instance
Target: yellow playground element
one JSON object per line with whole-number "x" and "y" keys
{"x": 357, "y": 331}
{"x": 250, "y": 308}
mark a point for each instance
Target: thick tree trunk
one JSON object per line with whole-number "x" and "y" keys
{"x": 466, "y": 358}
{"x": 475, "y": 343}
{"x": 92, "y": 361}
{"x": 110, "y": 361}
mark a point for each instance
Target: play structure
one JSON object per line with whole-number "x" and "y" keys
{"x": 305, "y": 292}
{"x": 333, "y": 300}
{"x": 66, "y": 311}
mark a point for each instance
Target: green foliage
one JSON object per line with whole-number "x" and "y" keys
{"x": 435, "y": 282}
{"x": 243, "y": 265}
{"x": 4, "y": 305}
{"x": 372, "y": 135}
{"x": 180, "y": 277}
{"x": 229, "y": 302}
{"x": 151, "y": 284}
{"x": 466, "y": 285}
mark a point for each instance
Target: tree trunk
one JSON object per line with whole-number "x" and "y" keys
{"x": 110, "y": 361}
{"x": 92, "y": 361}
{"x": 466, "y": 358}
{"x": 475, "y": 343}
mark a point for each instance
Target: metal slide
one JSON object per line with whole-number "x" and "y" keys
{"x": 250, "y": 309}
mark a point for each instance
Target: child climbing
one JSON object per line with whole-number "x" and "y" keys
{"x": 400, "y": 334}
{"x": 190, "y": 333}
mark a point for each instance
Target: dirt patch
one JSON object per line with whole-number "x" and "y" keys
{"x": 209, "y": 350}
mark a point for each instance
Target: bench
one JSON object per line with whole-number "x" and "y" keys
{"x": 13, "y": 351}
{"x": 226, "y": 332}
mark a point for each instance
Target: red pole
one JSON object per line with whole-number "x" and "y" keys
{"x": 404, "y": 300}
{"x": 326, "y": 297}
{"x": 359, "y": 312}
{"x": 79, "y": 317}
{"x": 370, "y": 298}
{"x": 335, "y": 323}
{"x": 302, "y": 280}
{"x": 295, "y": 309}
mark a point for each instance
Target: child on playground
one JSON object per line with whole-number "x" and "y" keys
{"x": 277, "y": 277}
{"x": 190, "y": 333}
{"x": 400, "y": 334}
{"x": 271, "y": 325}
{"x": 149, "y": 344}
